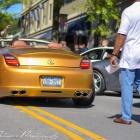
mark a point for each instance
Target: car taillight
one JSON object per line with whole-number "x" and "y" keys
{"x": 85, "y": 64}
{"x": 11, "y": 60}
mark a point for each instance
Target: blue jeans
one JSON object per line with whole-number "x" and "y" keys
{"x": 127, "y": 79}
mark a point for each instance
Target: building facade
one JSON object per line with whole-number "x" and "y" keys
{"x": 37, "y": 19}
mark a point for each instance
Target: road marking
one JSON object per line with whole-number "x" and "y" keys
{"x": 52, "y": 124}
{"x": 73, "y": 126}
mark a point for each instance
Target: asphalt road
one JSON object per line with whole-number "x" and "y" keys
{"x": 60, "y": 119}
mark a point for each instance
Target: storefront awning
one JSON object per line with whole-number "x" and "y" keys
{"x": 73, "y": 23}
{"x": 77, "y": 27}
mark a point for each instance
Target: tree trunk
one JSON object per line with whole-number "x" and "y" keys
{"x": 55, "y": 28}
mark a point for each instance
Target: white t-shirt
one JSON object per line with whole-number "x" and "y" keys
{"x": 130, "y": 26}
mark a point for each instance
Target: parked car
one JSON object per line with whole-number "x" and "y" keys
{"x": 29, "y": 41}
{"x": 102, "y": 79}
{"x": 45, "y": 72}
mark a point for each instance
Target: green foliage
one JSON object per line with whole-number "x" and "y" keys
{"x": 5, "y": 4}
{"x": 14, "y": 26}
{"x": 9, "y": 19}
{"x": 102, "y": 11}
{"x": 5, "y": 20}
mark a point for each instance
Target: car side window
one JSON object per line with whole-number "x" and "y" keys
{"x": 94, "y": 54}
{"x": 107, "y": 54}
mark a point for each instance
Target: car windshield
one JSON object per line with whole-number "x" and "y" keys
{"x": 32, "y": 42}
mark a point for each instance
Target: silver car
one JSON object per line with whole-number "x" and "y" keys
{"x": 103, "y": 80}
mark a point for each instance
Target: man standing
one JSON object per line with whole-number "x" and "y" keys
{"x": 64, "y": 45}
{"x": 76, "y": 49}
{"x": 5, "y": 30}
{"x": 128, "y": 37}
{"x": 82, "y": 48}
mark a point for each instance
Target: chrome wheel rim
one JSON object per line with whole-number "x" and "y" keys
{"x": 97, "y": 82}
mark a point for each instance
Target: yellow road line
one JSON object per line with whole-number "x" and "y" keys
{"x": 82, "y": 130}
{"x": 56, "y": 126}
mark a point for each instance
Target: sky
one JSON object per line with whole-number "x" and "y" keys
{"x": 15, "y": 9}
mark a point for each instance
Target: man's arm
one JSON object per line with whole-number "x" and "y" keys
{"x": 5, "y": 30}
{"x": 120, "y": 39}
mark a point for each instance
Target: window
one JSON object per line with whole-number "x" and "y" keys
{"x": 94, "y": 54}
{"x": 107, "y": 53}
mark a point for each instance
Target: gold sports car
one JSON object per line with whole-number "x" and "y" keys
{"x": 50, "y": 72}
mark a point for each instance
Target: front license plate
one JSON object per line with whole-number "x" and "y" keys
{"x": 51, "y": 81}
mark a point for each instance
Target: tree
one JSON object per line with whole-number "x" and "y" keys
{"x": 14, "y": 23}
{"x": 56, "y": 10}
{"x": 5, "y": 4}
{"x": 11, "y": 19}
{"x": 102, "y": 11}
{"x": 7, "y": 18}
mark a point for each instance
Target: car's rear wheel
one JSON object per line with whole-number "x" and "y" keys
{"x": 98, "y": 82}
{"x": 84, "y": 102}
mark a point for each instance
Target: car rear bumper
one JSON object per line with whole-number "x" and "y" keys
{"x": 38, "y": 92}
{"x": 27, "y": 82}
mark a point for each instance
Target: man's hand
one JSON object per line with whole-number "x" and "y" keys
{"x": 112, "y": 61}
{"x": 5, "y": 30}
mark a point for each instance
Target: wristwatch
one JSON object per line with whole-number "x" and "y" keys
{"x": 114, "y": 54}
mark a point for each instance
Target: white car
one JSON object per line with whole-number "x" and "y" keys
{"x": 98, "y": 53}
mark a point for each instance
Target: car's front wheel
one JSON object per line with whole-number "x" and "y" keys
{"x": 84, "y": 102}
{"x": 98, "y": 82}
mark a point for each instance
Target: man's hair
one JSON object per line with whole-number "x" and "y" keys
{"x": 14, "y": 39}
{"x": 106, "y": 41}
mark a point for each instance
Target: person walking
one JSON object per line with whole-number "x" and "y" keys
{"x": 128, "y": 38}
{"x": 5, "y": 30}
